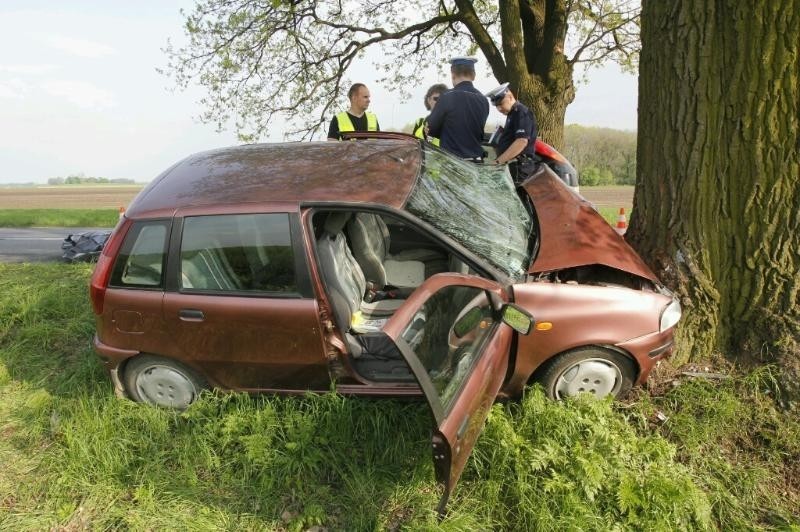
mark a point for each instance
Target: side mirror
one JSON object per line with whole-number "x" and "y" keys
{"x": 517, "y": 318}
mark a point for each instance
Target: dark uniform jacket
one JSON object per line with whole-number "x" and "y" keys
{"x": 458, "y": 120}
{"x": 520, "y": 124}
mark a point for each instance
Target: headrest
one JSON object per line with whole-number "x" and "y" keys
{"x": 336, "y": 221}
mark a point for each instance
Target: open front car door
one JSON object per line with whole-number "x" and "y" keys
{"x": 453, "y": 333}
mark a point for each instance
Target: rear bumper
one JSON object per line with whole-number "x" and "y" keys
{"x": 112, "y": 359}
{"x": 648, "y": 350}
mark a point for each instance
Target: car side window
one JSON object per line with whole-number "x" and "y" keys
{"x": 237, "y": 253}
{"x": 447, "y": 335}
{"x": 140, "y": 263}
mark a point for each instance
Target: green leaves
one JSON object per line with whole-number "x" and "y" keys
{"x": 262, "y": 62}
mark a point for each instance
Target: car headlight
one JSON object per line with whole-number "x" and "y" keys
{"x": 670, "y": 315}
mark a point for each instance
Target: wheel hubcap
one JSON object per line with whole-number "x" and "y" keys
{"x": 165, "y": 386}
{"x": 596, "y": 376}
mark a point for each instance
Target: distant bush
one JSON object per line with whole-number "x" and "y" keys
{"x": 591, "y": 176}
{"x": 600, "y": 153}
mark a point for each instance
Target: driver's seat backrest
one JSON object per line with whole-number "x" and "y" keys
{"x": 370, "y": 238}
{"x": 342, "y": 274}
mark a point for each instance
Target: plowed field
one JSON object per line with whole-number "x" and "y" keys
{"x": 68, "y": 197}
{"x": 617, "y": 196}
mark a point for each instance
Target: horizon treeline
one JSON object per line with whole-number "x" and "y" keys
{"x": 82, "y": 179}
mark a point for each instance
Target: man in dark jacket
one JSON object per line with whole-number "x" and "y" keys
{"x": 516, "y": 143}
{"x": 460, "y": 114}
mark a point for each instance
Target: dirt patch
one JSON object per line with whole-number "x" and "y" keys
{"x": 68, "y": 197}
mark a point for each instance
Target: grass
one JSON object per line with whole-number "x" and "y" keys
{"x": 58, "y": 217}
{"x": 108, "y": 217}
{"x": 610, "y": 214}
{"x": 76, "y": 457}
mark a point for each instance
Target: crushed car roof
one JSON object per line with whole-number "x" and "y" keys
{"x": 288, "y": 172}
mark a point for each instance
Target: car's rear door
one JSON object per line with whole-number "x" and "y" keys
{"x": 451, "y": 334}
{"x": 239, "y": 304}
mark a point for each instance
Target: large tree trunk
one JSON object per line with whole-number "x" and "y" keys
{"x": 549, "y": 100}
{"x": 540, "y": 75}
{"x": 717, "y": 201}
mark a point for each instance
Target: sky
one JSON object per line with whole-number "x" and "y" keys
{"x": 79, "y": 92}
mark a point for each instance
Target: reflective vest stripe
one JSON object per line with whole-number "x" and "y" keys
{"x": 346, "y": 125}
{"x": 419, "y": 132}
{"x": 419, "y": 129}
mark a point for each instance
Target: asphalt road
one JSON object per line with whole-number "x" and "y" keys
{"x": 37, "y": 244}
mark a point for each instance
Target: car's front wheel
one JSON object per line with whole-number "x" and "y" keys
{"x": 163, "y": 382}
{"x": 593, "y": 370}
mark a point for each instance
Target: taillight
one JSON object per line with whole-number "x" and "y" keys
{"x": 546, "y": 150}
{"x": 102, "y": 271}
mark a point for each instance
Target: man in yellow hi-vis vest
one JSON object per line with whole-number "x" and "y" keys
{"x": 357, "y": 118}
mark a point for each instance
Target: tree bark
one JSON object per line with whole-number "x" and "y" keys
{"x": 717, "y": 200}
{"x": 537, "y": 69}
{"x": 549, "y": 102}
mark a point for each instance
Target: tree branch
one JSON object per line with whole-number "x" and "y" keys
{"x": 470, "y": 19}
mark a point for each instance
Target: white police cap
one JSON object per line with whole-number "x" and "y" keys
{"x": 497, "y": 94}
{"x": 463, "y": 60}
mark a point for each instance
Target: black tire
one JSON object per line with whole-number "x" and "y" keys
{"x": 162, "y": 382}
{"x": 594, "y": 369}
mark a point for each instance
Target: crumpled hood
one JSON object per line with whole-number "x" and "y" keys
{"x": 572, "y": 233}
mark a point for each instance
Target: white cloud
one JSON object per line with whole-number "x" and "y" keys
{"x": 80, "y": 93}
{"x": 27, "y": 69}
{"x": 13, "y": 88}
{"x": 80, "y": 47}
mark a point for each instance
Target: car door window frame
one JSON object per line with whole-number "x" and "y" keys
{"x": 480, "y": 267}
{"x": 451, "y": 434}
{"x": 131, "y": 237}
{"x": 440, "y": 413}
{"x": 303, "y": 285}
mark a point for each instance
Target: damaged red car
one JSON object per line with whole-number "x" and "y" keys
{"x": 382, "y": 266}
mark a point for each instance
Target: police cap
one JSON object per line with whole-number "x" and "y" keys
{"x": 463, "y": 60}
{"x": 497, "y": 94}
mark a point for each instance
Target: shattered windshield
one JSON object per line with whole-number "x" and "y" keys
{"x": 475, "y": 205}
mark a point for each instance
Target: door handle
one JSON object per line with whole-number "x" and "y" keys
{"x": 191, "y": 314}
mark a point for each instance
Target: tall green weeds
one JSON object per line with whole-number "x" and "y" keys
{"x": 75, "y": 456}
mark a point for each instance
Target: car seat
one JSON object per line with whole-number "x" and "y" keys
{"x": 208, "y": 269}
{"x": 346, "y": 282}
{"x": 369, "y": 236}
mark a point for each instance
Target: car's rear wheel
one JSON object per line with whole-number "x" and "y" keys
{"x": 162, "y": 382}
{"x": 593, "y": 370}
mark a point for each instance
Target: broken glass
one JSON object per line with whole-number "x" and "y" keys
{"x": 477, "y": 205}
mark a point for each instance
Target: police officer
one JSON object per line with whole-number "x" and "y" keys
{"x": 460, "y": 114}
{"x": 516, "y": 142}
{"x": 357, "y": 118}
{"x": 431, "y": 97}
